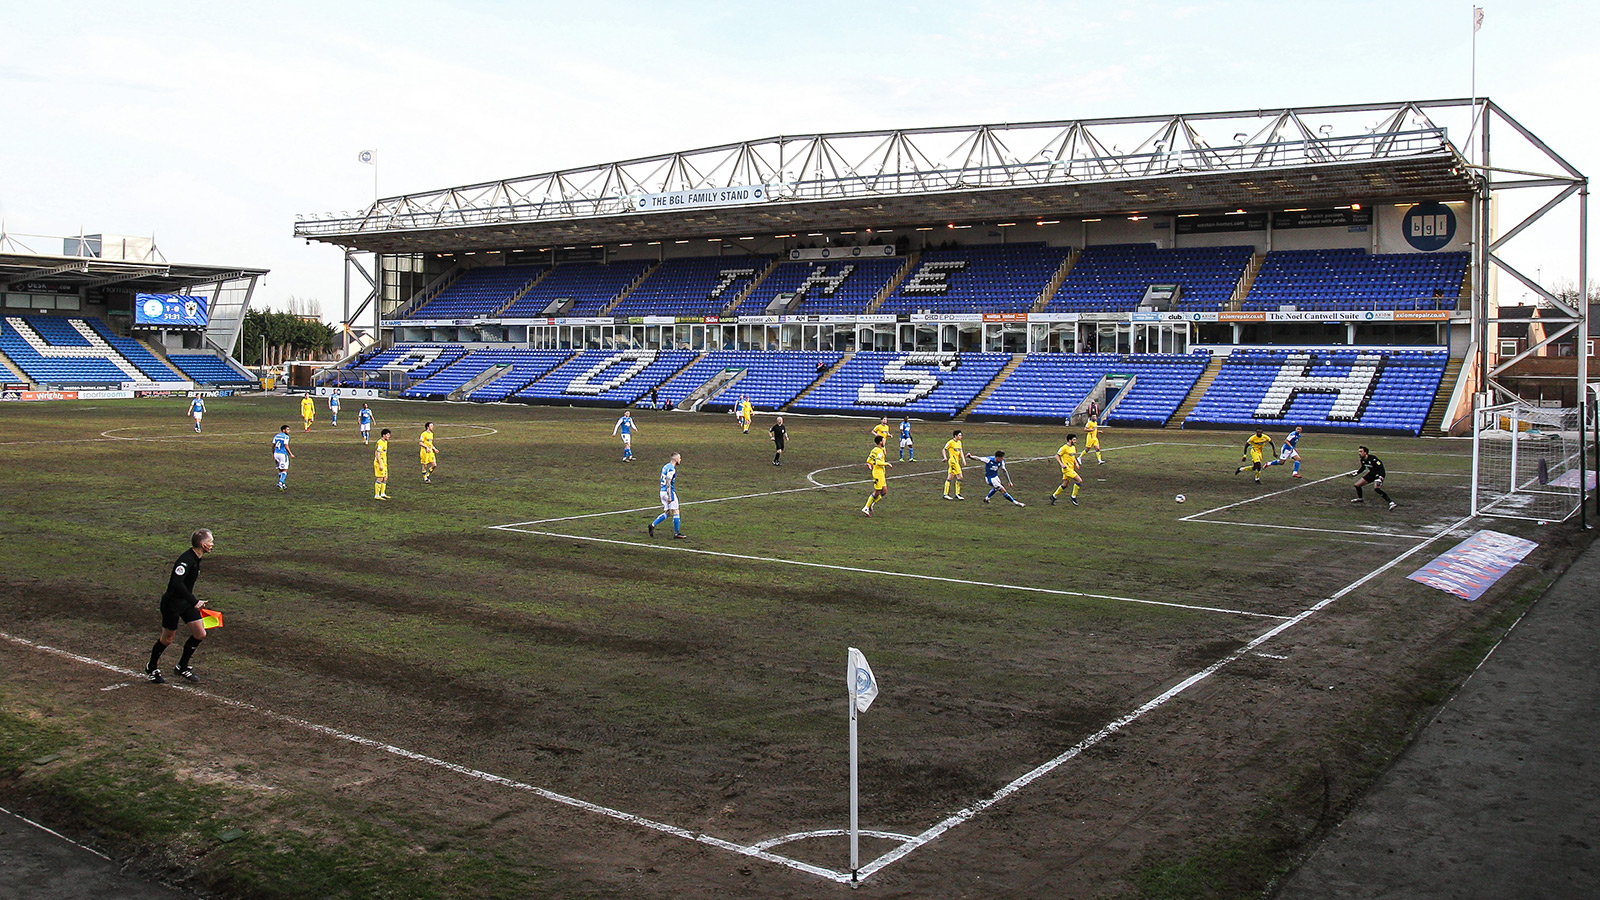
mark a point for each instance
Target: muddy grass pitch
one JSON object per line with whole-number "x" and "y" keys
{"x": 499, "y": 685}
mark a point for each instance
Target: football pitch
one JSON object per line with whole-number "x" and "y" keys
{"x": 499, "y": 685}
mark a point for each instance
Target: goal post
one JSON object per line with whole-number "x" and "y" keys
{"x": 1528, "y": 462}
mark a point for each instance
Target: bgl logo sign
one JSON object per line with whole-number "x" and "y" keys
{"x": 1429, "y": 226}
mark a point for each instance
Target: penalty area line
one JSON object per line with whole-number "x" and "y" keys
{"x": 1058, "y": 592}
{"x": 757, "y": 851}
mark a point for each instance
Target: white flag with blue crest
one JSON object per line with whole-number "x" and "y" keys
{"x": 863, "y": 686}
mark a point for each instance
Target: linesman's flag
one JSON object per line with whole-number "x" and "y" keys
{"x": 211, "y": 618}
{"x": 864, "y": 687}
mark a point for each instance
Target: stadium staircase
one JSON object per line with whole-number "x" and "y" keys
{"x": 838, "y": 365}
{"x": 1246, "y": 281}
{"x": 999, "y": 378}
{"x": 522, "y": 293}
{"x": 1199, "y": 390}
{"x": 479, "y": 380}
{"x": 744, "y": 294}
{"x": 1434, "y": 423}
{"x": 1055, "y": 283}
{"x": 623, "y": 294}
{"x": 889, "y": 286}
{"x": 9, "y": 370}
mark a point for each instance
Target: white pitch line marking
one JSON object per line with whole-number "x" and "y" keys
{"x": 827, "y": 832}
{"x": 52, "y": 831}
{"x": 962, "y": 815}
{"x": 865, "y": 571}
{"x": 478, "y": 774}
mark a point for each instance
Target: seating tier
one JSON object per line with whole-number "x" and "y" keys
{"x": 984, "y": 278}
{"x": 932, "y": 385}
{"x": 1353, "y": 279}
{"x": 701, "y": 286}
{"x": 835, "y": 287}
{"x": 606, "y": 377}
{"x": 1365, "y": 390}
{"x": 479, "y": 292}
{"x": 67, "y": 350}
{"x": 1050, "y": 386}
{"x": 771, "y": 380}
{"x": 204, "y": 368}
{"x": 1114, "y": 277}
{"x": 592, "y": 287}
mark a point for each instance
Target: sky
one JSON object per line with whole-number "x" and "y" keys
{"x": 209, "y": 126}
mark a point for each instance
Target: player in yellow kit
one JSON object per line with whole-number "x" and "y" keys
{"x": 880, "y": 482}
{"x": 952, "y": 459}
{"x": 308, "y": 412}
{"x": 881, "y": 430}
{"x": 1091, "y": 441}
{"x": 380, "y": 467}
{"x": 746, "y": 413}
{"x": 1253, "y": 452}
{"x": 1068, "y": 457}
{"x": 429, "y": 454}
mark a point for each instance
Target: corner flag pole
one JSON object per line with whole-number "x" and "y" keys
{"x": 855, "y": 833}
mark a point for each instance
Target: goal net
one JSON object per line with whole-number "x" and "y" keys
{"x": 1526, "y": 462}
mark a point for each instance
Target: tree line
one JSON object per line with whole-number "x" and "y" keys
{"x": 288, "y": 336}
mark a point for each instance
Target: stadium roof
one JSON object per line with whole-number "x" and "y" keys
{"x": 19, "y": 269}
{"x": 1209, "y": 162}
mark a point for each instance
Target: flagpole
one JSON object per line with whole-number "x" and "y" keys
{"x": 1477, "y": 23}
{"x": 855, "y": 834}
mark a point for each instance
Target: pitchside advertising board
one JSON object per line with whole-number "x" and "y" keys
{"x": 170, "y": 311}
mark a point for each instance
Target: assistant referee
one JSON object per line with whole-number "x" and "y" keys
{"x": 178, "y": 605}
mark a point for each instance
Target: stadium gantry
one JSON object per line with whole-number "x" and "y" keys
{"x": 924, "y": 269}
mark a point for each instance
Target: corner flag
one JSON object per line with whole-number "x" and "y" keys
{"x": 863, "y": 686}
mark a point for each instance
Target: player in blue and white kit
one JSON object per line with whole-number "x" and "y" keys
{"x": 625, "y": 428}
{"x": 197, "y": 409}
{"x": 364, "y": 419}
{"x": 333, "y": 407}
{"x": 908, "y": 453}
{"x": 669, "y": 498}
{"x": 994, "y": 468}
{"x": 282, "y": 454}
{"x": 1290, "y": 450}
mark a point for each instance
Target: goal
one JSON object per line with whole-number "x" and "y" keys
{"x": 1528, "y": 462}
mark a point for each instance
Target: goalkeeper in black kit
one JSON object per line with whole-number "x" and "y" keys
{"x": 1369, "y": 470}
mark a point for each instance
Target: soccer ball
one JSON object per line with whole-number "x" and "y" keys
{"x": 1180, "y": 498}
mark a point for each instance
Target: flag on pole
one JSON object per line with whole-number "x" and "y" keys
{"x": 365, "y": 156}
{"x": 863, "y": 686}
{"x": 1477, "y": 18}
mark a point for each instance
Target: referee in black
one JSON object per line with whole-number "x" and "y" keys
{"x": 779, "y": 435}
{"x": 179, "y": 605}
{"x": 1370, "y": 471}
